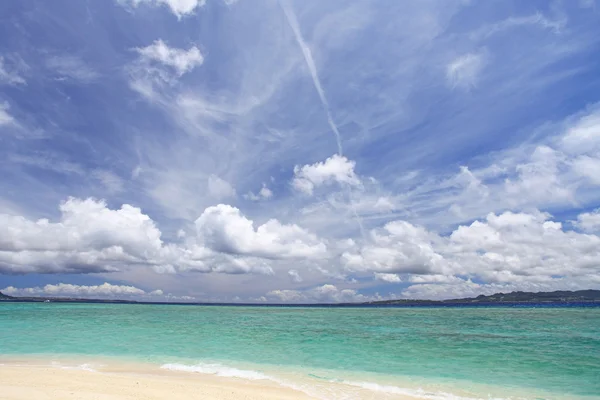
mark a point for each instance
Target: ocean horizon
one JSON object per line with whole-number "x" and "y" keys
{"x": 327, "y": 352}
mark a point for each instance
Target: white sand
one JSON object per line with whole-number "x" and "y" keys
{"x": 30, "y": 382}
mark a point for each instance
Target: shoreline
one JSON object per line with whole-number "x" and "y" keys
{"x": 29, "y": 382}
{"x": 38, "y": 377}
{"x": 54, "y": 377}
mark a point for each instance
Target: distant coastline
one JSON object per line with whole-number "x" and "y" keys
{"x": 587, "y": 297}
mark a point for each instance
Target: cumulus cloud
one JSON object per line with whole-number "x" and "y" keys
{"x": 505, "y": 249}
{"x": 180, "y": 60}
{"x": 335, "y": 169}
{"x": 65, "y": 289}
{"x": 399, "y": 247}
{"x": 464, "y": 71}
{"x": 90, "y": 237}
{"x": 223, "y": 228}
{"x": 321, "y": 294}
{"x": 556, "y": 173}
{"x": 103, "y": 291}
{"x": 180, "y": 8}
{"x": 459, "y": 288}
{"x": 389, "y": 278}
{"x": 589, "y": 222}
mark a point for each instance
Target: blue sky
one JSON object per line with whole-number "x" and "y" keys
{"x": 298, "y": 151}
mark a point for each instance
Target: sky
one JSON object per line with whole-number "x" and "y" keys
{"x": 298, "y": 151}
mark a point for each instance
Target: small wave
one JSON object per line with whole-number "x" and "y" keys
{"x": 318, "y": 390}
{"x": 418, "y": 393}
{"x": 81, "y": 367}
{"x": 230, "y": 372}
{"x": 219, "y": 370}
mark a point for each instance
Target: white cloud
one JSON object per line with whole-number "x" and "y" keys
{"x": 536, "y": 20}
{"x": 65, "y": 289}
{"x": 464, "y": 72}
{"x": 509, "y": 248}
{"x": 335, "y": 169}
{"x": 390, "y": 278}
{"x": 71, "y": 67}
{"x": 180, "y": 8}
{"x": 466, "y": 288}
{"x": 264, "y": 194}
{"x": 89, "y": 237}
{"x": 589, "y": 222}
{"x": 555, "y": 173}
{"x": 321, "y": 294}
{"x": 583, "y": 134}
{"x": 295, "y": 276}
{"x": 8, "y": 75}
{"x": 219, "y": 188}
{"x": 223, "y": 228}
{"x": 111, "y": 182}
{"x": 103, "y": 291}
{"x": 588, "y": 167}
{"x": 399, "y": 247}
{"x": 5, "y": 117}
{"x": 180, "y": 60}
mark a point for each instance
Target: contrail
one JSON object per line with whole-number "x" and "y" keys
{"x": 310, "y": 62}
{"x": 293, "y": 22}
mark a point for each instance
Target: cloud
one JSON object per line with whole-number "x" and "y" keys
{"x": 111, "y": 182}
{"x": 64, "y": 289}
{"x": 71, "y": 67}
{"x": 537, "y": 20}
{"x": 321, "y": 294}
{"x": 464, "y": 72}
{"x": 389, "y": 278}
{"x": 335, "y": 169}
{"x": 264, "y": 194}
{"x": 103, "y": 291}
{"x": 312, "y": 68}
{"x": 509, "y": 248}
{"x": 295, "y": 276}
{"x": 219, "y": 188}
{"x": 224, "y": 229}
{"x": 180, "y": 8}
{"x": 554, "y": 173}
{"x": 180, "y": 60}
{"x": 589, "y": 222}
{"x": 9, "y": 75}
{"x": 90, "y": 238}
{"x": 5, "y": 117}
{"x": 466, "y": 288}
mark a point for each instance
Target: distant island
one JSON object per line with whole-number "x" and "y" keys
{"x": 557, "y": 297}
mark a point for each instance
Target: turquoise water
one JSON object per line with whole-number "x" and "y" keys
{"x": 539, "y": 352}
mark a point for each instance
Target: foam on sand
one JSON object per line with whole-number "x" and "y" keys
{"x": 218, "y": 370}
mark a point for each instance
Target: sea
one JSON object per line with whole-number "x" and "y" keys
{"x": 439, "y": 353}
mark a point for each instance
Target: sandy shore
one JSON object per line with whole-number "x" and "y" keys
{"x": 39, "y": 379}
{"x": 26, "y": 382}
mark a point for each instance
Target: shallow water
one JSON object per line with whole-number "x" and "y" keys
{"x": 468, "y": 352}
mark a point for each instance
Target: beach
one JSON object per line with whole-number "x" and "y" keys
{"x": 28, "y": 382}
{"x": 41, "y": 379}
